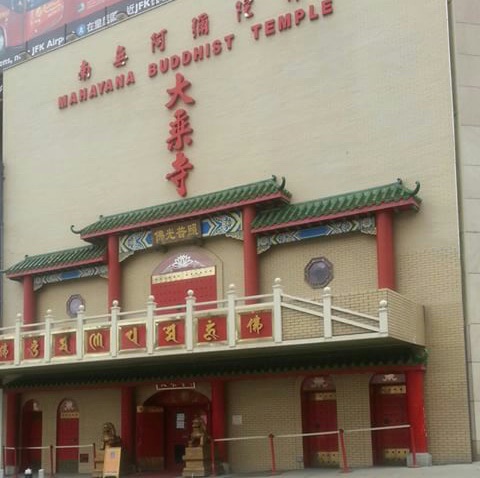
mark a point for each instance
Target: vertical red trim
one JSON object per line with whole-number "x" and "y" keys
{"x": 416, "y": 408}
{"x": 11, "y": 435}
{"x": 128, "y": 422}
{"x": 218, "y": 416}
{"x": 385, "y": 250}
{"x": 250, "y": 257}
{"x": 114, "y": 272}
{"x": 28, "y": 300}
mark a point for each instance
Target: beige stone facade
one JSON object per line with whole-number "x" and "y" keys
{"x": 339, "y": 103}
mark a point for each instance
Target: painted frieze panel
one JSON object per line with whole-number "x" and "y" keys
{"x": 211, "y": 329}
{"x": 34, "y": 347}
{"x": 64, "y": 344}
{"x": 132, "y": 337}
{"x": 170, "y": 333}
{"x": 97, "y": 341}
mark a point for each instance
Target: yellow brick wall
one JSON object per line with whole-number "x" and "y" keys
{"x": 265, "y": 406}
{"x": 353, "y": 412}
{"x": 353, "y": 257}
{"x": 432, "y": 278}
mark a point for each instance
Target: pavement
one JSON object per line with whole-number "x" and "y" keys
{"x": 437, "y": 471}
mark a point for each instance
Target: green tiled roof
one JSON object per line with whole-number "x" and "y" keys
{"x": 394, "y": 194}
{"x": 185, "y": 208}
{"x": 59, "y": 260}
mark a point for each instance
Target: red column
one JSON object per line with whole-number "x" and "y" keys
{"x": 114, "y": 273}
{"x": 385, "y": 250}
{"x": 218, "y": 416}
{"x": 416, "y": 408}
{"x": 28, "y": 300}
{"x": 127, "y": 432}
{"x": 11, "y": 435}
{"x": 250, "y": 257}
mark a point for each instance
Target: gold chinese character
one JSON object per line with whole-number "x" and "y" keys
{"x": 210, "y": 331}
{"x": 255, "y": 325}
{"x": 4, "y": 350}
{"x": 170, "y": 234}
{"x": 159, "y": 236}
{"x": 95, "y": 341}
{"x": 170, "y": 333}
{"x": 192, "y": 229}
{"x": 63, "y": 344}
{"x": 34, "y": 348}
{"x": 132, "y": 335}
{"x": 181, "y": 232}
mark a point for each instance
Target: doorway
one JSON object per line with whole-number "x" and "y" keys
{"x": 164, "y": 426}
{"x": 67, "y": 436}
{"x": 388, "y": 402}
{"x": 319, "y": 414}
{"x": 31, "y": 436}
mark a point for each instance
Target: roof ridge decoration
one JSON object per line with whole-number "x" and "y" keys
{"x": 366, "y": 201}
{"x": 254, "y": 193}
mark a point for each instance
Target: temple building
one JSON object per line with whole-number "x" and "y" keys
{"x": 259, "y": 214}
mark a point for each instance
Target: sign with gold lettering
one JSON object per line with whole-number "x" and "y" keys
{"x": 133, "y": 337}
{"x": 33, "y": 347}
{"x": 212, "y": 329}
{"x": 97, "y": 341}
{"x": 256, "y": 325}
{"x": 7, "y": 350}
{"x": 170, "y": 333}
{"x": 64, "y": 344}
{"x": 179, "y": 232}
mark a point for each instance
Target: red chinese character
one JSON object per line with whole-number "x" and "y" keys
{"x": 200, "y": 25}
{"x": 85, "y": 71}
{"x": 181, "y": 165}
{"x": 178, "y": 92}
{"x": 244, "y": 8}
{"x": 180, "y": 131}
{"x": 158, "y": 40}
{"x": 120, "y": 57}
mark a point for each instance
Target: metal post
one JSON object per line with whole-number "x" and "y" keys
{"x": 212, "y": 456}
{"x": 79, "y": 336}
{"x": 52, "y": 470}
{"x": 412, "y": 447}
{"x": 272, "y": 451}
{"x": 345, "y": 468}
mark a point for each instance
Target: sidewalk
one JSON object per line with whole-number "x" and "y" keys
{"x": 438, "y": 471}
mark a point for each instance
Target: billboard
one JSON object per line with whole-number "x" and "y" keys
{"x": 32, "y": 27}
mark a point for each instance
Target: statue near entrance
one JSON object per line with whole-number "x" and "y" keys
{"x": 199, "y": 435}
{"x": 197, "y": 455}
{"x": 109, "y": 436}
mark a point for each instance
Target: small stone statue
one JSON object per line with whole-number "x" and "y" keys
{"x": 199, "y": 436}
{"x": 109, "y": 436}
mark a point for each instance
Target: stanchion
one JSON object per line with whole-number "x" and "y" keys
{"x": 272, "y": 451}
{"x": 412, "y": 448}
{"x": 52, "y": 470}
{"x": 345, "y": 468}
{"x": 212, "y": 457}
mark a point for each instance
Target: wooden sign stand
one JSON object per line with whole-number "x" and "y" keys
{"x": 111, "y": 462}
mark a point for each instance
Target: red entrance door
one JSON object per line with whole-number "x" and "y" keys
{"x": 31, "y": 436}
{"x": 164, "y": 426}
{"x": 321, "y": 416}
{"x": 389, "y": 408}
{"x": 150, "y": 438}
{"x": 178, "y": 429}
{"x": 67, "y": 435}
